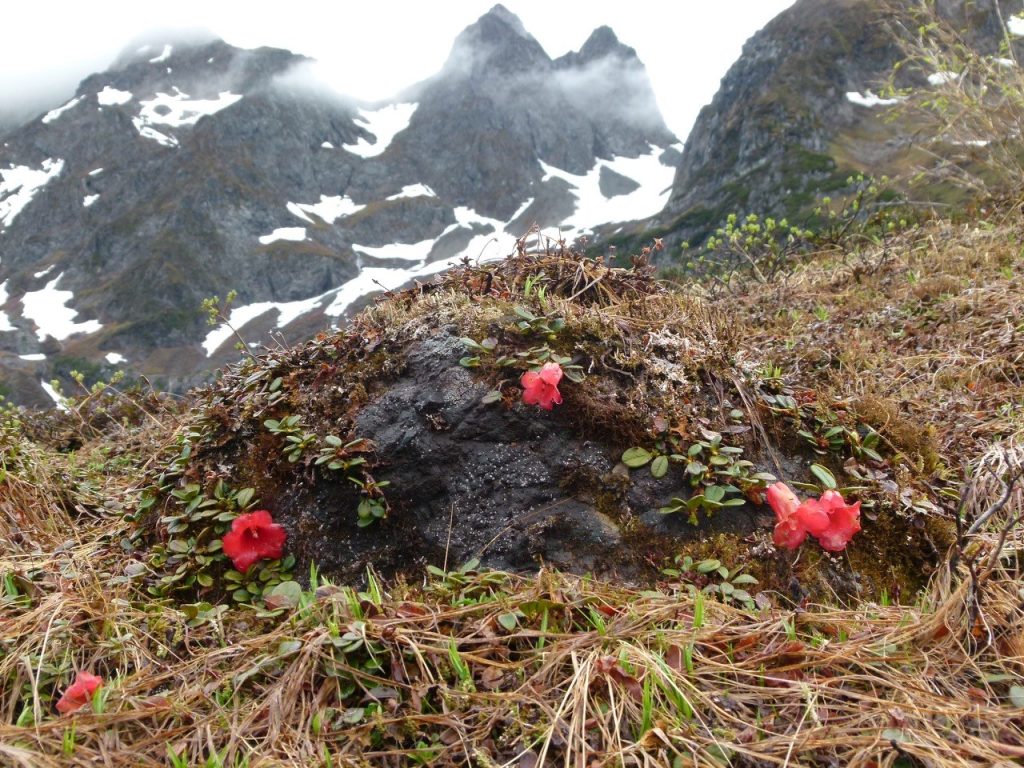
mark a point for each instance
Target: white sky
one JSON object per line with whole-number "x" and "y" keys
{"x": 380, "y": 45}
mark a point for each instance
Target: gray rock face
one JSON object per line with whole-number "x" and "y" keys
{"x": 781, "y": 131}
{"x": 482, "y": 481}
{"x": 196, "y": 168}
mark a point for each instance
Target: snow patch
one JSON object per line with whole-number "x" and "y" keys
{"x": 46, "y": 308}
{"x": 112, "y": 97}
{"x": 42, "y": 274}
{"x": 33, "y": 358}
{"x": 869, "y": 99}
{"x": 486, "y": 247}
{"x": 115, "y": 357}
{"x": 941, "y": 78}
{"x": 88, "y": 200}
{"x": 164, "y": 55}
{"x": 384, "y": 123}
{"x": 295, "y": 234}
{"x": 1015, "y": 25}
{"x": 179, "y": 109}
{"x": 153, "y": 134}
{"x": 53, "y": 395}
{"x": 593, "y": 208}
{"x": 19, "y": 184}
{"x": 240, "y": 316}
{"x": 330, "y": 209}
{"x": 413, "y": 190}
{"x": 53, "y": 114}
{"x": 402, "y": 251}
{"x": 96, "y": 172}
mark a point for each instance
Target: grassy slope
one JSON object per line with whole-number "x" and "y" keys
{"x": 921, "y": 339}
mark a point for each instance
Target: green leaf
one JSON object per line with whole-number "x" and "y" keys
{"x": 659, "y": 466}
{"x": 742, "y": 595}
{"x": 509, "y": 621}
{"x": 707, "y": 566}
{"x": 493, "y": 396}
{"x": 1017, "y": 696}
{"x": 714, "y": 493}
{"x": 636, "y": 457}
{"x": 826, "y": 478}
{"x": 244, "y": 497}
{"x": 287, "y": 594}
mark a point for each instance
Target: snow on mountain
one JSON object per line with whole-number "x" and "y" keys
{"x": 384, "y": 124}
{"x": 20, "y": 183}
{"x": 190, "y": 169}
{"x": 47, "y": 309}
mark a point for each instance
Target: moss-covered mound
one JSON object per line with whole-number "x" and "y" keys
{"x": 404, "y": 442}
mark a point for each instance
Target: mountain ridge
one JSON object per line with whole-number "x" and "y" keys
{"x": 188, "y": 170}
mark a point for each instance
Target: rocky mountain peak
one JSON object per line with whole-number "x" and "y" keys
{"x": 193, "y": 168}
{"x": 496, "y": 43}
{"x": 602, "y": 44}
{"x": 201, "y": 66}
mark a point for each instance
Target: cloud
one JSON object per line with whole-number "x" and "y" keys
{"x": 315, "y": 80}
{"x": 612, "y": 86}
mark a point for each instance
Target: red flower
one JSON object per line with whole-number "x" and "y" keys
{"x": 542, "y": 388}
{"x": 79, "y": 693}
{"x": 789, "y": 533}
{"x": 253, "y": 536}
{"x": 844, "y": 521}
{"x": 829, "y": 519}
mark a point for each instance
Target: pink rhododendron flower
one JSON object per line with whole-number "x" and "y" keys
{"x": 829, "y": 519}
{"x": 79, "y": 693}
{"x": 844, "y": 521}
{"x": 541, "y": 387}
{"x": 253, "y": 536}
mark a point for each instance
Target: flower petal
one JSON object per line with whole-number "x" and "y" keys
{"x": 782, "y": 500}
{"x": 789, "y": 534}
{"x": 813, "y": 516}
{"x": 253, "y": 536}
{"x": 79, "y": 692}
{"x": 551, "y": 374}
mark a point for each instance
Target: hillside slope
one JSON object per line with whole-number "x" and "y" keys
{"x": 915, "y": 340}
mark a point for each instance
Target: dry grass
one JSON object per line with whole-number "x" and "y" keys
{"x": 590, "y": 674}
{"x": 485, "y": 668}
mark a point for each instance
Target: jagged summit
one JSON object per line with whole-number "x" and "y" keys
{"x": 499, "y": 13}
{"x": 602, "y": 43}
{"x": 496, "y": 43}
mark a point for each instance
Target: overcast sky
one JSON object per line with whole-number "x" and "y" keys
{"x": 377, "y": 46}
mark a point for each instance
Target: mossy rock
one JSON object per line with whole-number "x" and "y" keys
{"x": 415, "y": 411}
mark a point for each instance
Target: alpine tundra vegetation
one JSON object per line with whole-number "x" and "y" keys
{"x": 736, "y": 484}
